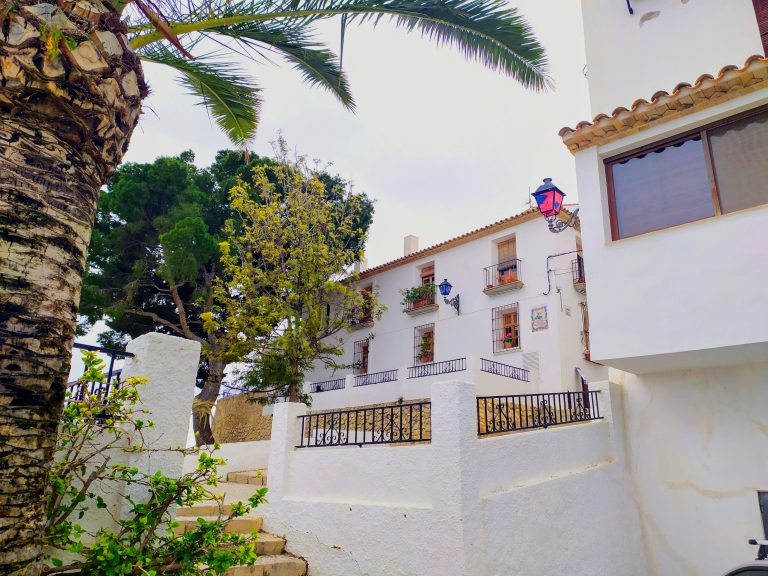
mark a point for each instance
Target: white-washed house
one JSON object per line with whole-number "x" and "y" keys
{"x": 521, "y": 325}
{"x": 674, "y": 190}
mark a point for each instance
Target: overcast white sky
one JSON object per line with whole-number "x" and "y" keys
{"x": 443, "y": 144}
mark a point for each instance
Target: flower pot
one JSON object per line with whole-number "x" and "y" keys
{"x": 426, "y": 359}
{"x": 508, "y": 277}
{"x": 421, "y": 302}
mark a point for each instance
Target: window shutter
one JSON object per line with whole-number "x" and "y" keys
{"x": 761, "y": 11}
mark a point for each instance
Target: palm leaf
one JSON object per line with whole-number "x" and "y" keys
{"x": 231, "y": 99}
{"x": 317, "y": 65}
{"x": 487, "y": 31}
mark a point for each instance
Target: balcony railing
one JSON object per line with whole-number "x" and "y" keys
{"x": 77, "y": 389}
{"x": 505, "y": 370}
{"x": 403, "y": 423}
{"x": 376, "y": 378}
{"x": 423, "y": 304}
{"x": 502, "y": 276}
{"x": 327, "y": 385}
{"x": 526, "y": 411}
{"x": 577, "y": 271}
{"x": 433, "y": 368}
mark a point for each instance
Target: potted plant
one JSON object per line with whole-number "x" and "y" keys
{"x": 508, "y": 341}
{"x": 418, "y": 296}
{"x": 507, "y": 276}
{"x": 425, "y": 349}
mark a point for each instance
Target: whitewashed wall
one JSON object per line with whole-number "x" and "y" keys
{"x": 523, "y": 503}
{"x": 697, "y": 453}
{"x": 470, "y": 334}
{"x": 664, "y": 43}
{"x": 682, "y": 297}
{"x": 239, "y": 456}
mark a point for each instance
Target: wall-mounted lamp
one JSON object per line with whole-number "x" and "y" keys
{"x": 445, "y": 290}
{"x": 549, "y": 199}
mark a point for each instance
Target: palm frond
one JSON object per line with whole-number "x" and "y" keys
{"x": 487, "y": 31}
{"x": 231, "y": 99}
{"x": 317, "y": 65}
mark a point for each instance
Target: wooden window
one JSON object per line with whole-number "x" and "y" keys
{"x": 428, "y": 275}
{"x": 715, "y": 169}
{"x": 424, "y": 344}
{"x": 360, "y": 360}
{"x": 507, "y": 250}
{"x": 506, "y": 328}
{"x": 761, "y": 11}
{"x": 507, "y": 254}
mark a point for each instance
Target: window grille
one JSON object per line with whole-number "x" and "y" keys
{"x": 423, "y": 344}
{"x": 506, "y": 328}
{"x": 360, "y": 360}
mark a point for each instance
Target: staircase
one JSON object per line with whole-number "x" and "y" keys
{"x": 253, "y": 477}
{"x": 273, "y": 560}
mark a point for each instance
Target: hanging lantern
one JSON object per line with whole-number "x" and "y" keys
{"x": 549, "y": 198}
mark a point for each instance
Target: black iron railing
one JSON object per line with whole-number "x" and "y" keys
{"x": 427, "y": 299}
{"x": 77, "y": 389}
{"x": 505, "y": 370}
{"x": 327, "y": 385}
{"x": 403, "y": 423}
{"x": 376, "y": 378}
{"x": 526, "y": 411}
{"x": 503, "y": 273}
{"x": 434, "y": 368}
{"x": 577, "y": 270}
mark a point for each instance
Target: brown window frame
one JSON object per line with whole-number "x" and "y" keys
{"x": 419, "y": 333}
{"x": 499, "y": 327}
{"x": 361, "y": 357}
{"x": 703, "y": 133}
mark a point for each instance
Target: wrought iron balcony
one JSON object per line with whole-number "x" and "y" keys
{"x": 376, "y": 378}
{"x": 527, "y": 411}
{"x": 433, "y": 368}
{"x": 503, "y": 276}
{"x": 327, "y": 385}
{"x": 505, "y": 370}
{"x": 402, "y": 423}
{"x": 423, "y": 303}
{"x": 577, "y": 271}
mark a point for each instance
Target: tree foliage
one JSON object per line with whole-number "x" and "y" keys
{"x": 98, "y": 435}
{"x": 154, "y": 255}
{"x": 289, "y": 294}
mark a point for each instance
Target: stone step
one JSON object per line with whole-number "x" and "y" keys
{"x": 254, "y": 477}
{"x": 204, "y": 510}
{"x": 269, "y": 544}
{"x": 280, "y": 565}
{"x": 243, "y": 525}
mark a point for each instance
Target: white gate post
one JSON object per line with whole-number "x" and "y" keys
{"x": 170, "y": 364}
{"x": 286, "y": 429}
{"x": 456, "y": 500}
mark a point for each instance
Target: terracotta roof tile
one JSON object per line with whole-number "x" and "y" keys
{"x": 708, "y": 90}
{"x": 524, "y": 216}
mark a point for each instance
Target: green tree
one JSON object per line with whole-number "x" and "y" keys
{"x": 288, "y": 294}
{"x": 70, "y": 98}
{"x": 154, "y": 256}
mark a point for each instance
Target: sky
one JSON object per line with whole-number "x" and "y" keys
{"x": 442, "y": 144}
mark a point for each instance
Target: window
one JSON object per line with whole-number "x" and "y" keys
{"x": 366, "y": 313}
{"x": 716, "y": 169}
{"x": 506, "y": 328}
{"x": 360, "y": 360}
{"x": 761, "y": 11}
{"x": 428, "y": 275}
{"x": 424, "y": 344}
{"x": 507, "y": 254}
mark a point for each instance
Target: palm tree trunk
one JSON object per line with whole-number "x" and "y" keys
{"x": 65, "y": 121}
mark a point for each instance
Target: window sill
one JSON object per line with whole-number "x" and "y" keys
{"x": 503, "y": 287}
{"x": 422, "y": 310}
{"x": 507, "y": 351}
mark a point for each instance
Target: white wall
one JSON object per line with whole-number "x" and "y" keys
{"x": 697, "y": 453}
{"x": 239, "y": 456}
{"x": 683, "y": 297}
{"x": 470, "y": 333}
{"x": 523, "y": 503}
{"x": 664, "y": 43}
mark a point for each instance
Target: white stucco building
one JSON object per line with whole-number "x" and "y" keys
{"x": 521, "y": 327}
{"x": 673, "y": 180}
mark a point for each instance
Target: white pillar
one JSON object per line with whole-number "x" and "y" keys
{"x": 456, "y": 491}
{"x": 286, "y": 429}
{"x": 171, "y": 365}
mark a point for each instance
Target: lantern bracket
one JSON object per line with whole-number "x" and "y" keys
{"x": 629, "y": 7}
{"x": 453, "y": 302}
{"x": 556, "y": 225}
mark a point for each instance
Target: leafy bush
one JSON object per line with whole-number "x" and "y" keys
{"x": 90, "y": 482}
